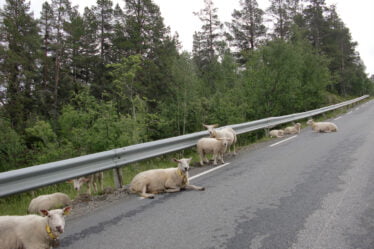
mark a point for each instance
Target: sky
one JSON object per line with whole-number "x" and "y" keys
{"x": 178, "y": 15}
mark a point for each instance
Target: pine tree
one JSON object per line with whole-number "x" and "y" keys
{"x": 20, "y": 47}
{"x": 210, "y": 36}
{"x": 283, "y": 12}
{"x": 247, "y": 28}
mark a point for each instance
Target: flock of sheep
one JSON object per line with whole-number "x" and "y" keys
{"x": 42, "y": 231}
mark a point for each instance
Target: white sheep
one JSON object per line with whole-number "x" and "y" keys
{"x": 276, "y": 133}
{"x": 90, "y": 180}
{"x": 154, "y": 181}
{"x": 48, "y": 202}
{"x": 215, "y": 146}
{"x": 225, "y": 132}
{"x": 33, "y": 231}
{"x": 322, "y": 126}
{"x": 295, "y": 129}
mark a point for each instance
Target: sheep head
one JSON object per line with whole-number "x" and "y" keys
{"x": 183, "y": 164}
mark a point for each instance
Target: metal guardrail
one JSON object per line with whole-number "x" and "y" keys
{"x": 21, "y": 180}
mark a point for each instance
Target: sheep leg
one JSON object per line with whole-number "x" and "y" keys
{"x": 144, "y": 193}
{"x": 172, "y": 190}
{"x": 215, "y": 159}
{"x": 221, "y": 157}
{"x": 193, "y": 187}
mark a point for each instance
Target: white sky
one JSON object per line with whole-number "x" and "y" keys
{"x": 357, "y": 16}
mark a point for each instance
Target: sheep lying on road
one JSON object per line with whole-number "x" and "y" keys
{"x": 293, "y": 129}
{"x": 32, "y": 231}
{"x": 48, "y": 202}
{"x": 90, "y": 180}
{"x": 226, "y": 132}
{"x": 276, "y": 133}
{"x": 322, "y": 126}
{"x": 154, "y": 181}
{"x": 215, "y": 146}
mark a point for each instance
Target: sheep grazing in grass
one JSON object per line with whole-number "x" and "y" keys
{"x": 90, "y": 180}
{"x": 48, "y": 202}
{"x": 215, "y": 146}
{"x": 322, "y": 126}
{"x": 295, "y": 129}
{"x": 276, "y": 133}
{"x": 33, "y": 231}
{"x": 226, "y": 132}
{"x": 154, "y": 181}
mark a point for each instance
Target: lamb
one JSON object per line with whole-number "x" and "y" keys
{"x": 33, "y": 231}
{"x": 215, "y": 146}
{"x": 154, "y": 181}
{"x": 48, "y": 202}
{"x": 90, "y": 180}
{"x": 226, "y": 132}
{"x": 276, "y": 133}
{"x": 322, "y": 126}
{"x": 293, "y": 129}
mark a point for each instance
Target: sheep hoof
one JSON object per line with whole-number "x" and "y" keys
{"x": 202, "y": 189}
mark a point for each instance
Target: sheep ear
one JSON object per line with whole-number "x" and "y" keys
{"x": 215, "y": 125}
{"x": 176, "y": 160}
{"x": 66, "y": 210}
{"x": 69, "y": 181}
{"x": 189, "y": 160}
{"x": 44, "y": 212}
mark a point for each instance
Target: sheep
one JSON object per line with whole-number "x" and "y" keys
{"x": 47, "y": 202}
{"x": 215, "y": 146}
{"x": 33, "y": 231}
{"x": 322, "y": 126}
{"x": 154, "y": 181}
{"x": 276, "y": 133}
{"x": 226, "y": 132}
{"x": 293, "y": 129}
{"x": 90, "y": 180}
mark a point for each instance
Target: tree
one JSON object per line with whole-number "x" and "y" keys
{"x": 20, "y": 48}
{"x": 210, "y": 36}
{"x": 247, "y": 28}
{"x": 283, "y": 12}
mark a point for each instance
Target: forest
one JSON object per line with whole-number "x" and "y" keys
{"x": 76, "y": 83}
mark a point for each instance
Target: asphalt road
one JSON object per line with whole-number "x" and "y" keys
{"x": 313, "y": 191}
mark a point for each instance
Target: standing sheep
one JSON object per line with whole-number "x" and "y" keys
{"x": 293, "y": 129}
{"x": 226, "y": 132}
{"x": 33, "y": 231}
{"x": 322, "y": 126}
{"x": 154, "y": 181}
{"x": 215, "y": 146}
{"x": 90, "y": 180}
{"x": 48, "y": 202}
{"x": 276, "y": 133}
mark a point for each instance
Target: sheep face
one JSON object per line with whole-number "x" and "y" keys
{"x": 309, "y": 122}
{"x": 212, "y": 132}
{"x": 79, "y": 182}
{"x": 183, "y": 164}
{"x": 56, "y": 219}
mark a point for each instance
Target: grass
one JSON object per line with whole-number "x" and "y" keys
{"x": 18, "y": 204}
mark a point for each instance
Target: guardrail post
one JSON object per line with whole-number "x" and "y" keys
{"x": 117, "y": 175}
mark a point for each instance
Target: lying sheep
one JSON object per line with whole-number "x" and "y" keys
{"x": 276, "y": 133}
{"x": 322, "y": 126}
{"x": 215, "y": 146}
{"x": 33, "y": 231}
{"x": 90, "y": 180}
{"x": 226, "y": 132}
{"x": 47, "y": 202}
{"x": 154, "y": 181}
{"x": 293, "y": 129}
